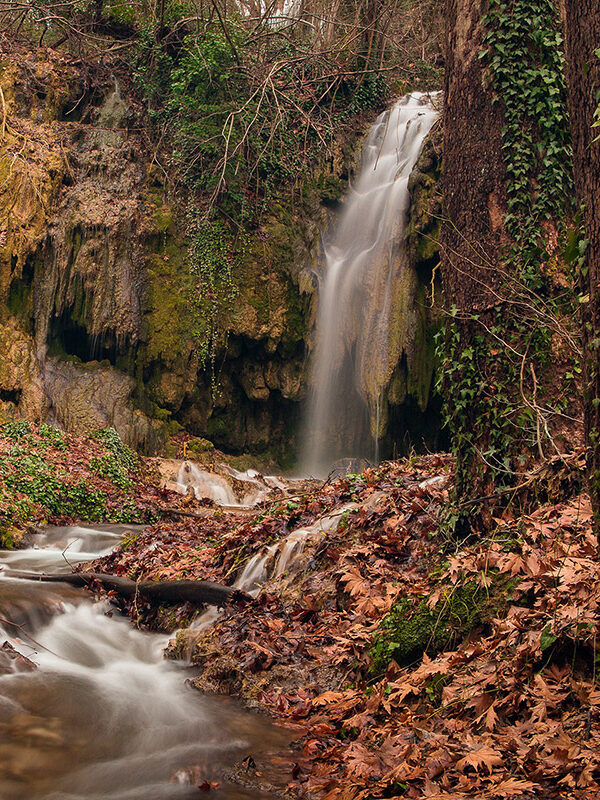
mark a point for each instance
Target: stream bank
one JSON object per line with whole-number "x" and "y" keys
{"x": 413, "y": 664}
{"x": 409, "y": 663}
{"x": 91, "y": 710}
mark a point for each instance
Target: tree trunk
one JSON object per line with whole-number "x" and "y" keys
{"x": 506, "y": 180}
{"x": 583, "y": 76}
{"x": 473, "y": 191}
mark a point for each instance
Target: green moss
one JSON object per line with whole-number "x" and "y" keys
{"x": 411, "y": 628}
{"x": 159, "y": 209}
{"x": 20, "y": 299}
{"x": 296, "y": 315}
{"x": 397, "y": 390}
{"x": 420, "y": 374}
{"x": 155, "y": 411}
{"x": 199, "y": 447}
{"x": 167, "y": 317}
{"x": 219, "y": 428}
{"x": 170, "y": 450}
{"x": 330, "y": 188}
{"x": 423, "y": 231}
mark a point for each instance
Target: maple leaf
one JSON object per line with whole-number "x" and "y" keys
{"x": 512, "y": 563}
{"x": 328, "y": 697}
{"x": 512, "y": 787}
{"x": 483, "y": 757}
{"x": 491, "y": 718}
{"x": 355, "y": 583}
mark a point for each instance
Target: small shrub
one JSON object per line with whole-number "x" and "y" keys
{"x": 84, "y": 502}
{"x": 113, "y": 442}
{"x": 111, "y": 468}
{"x": 16, "y": 430}
{"x": 53, "y": 436}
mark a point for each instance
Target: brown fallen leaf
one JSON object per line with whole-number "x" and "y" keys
{"x": 483, "y": 757}
{"x": 207, "y": 786}
{"x": 512, "y": 787}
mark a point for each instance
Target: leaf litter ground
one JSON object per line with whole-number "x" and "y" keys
{"x": 409, "y": 665}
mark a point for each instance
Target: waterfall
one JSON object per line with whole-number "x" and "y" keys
{"x": 362, "y": 295}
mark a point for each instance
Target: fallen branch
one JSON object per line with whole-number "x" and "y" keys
{"x": 207, "y": 512}
{"x": 196, "y": 592}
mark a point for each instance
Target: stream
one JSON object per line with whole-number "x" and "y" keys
{"x": 104, "y": 716}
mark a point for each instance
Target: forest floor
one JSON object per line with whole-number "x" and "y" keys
{"x": 409, "y": 664}
{"x": 405, "y": 663}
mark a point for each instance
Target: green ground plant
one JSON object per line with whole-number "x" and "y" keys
{"x": 38, "y": 483}
{"x": 412, "y": 628}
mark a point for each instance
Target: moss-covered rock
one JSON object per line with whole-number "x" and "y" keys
{"x": 423, "y": 231}
{"x": 413, "y": 628}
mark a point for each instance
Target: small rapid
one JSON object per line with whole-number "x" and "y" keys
{"x": 253, "y": 487}
{"x": 103, "y": 716}
{"x": 275, "y": 560}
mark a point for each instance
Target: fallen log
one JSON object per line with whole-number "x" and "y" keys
{"x": 196, "y": 592}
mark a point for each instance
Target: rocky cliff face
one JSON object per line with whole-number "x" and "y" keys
{"x": 411, "y": 414}
{"x": 95, "y": 316}
{"x": 75, "y": 232}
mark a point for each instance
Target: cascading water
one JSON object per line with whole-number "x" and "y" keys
{"x": 275, "y": 560}
{"x": 104, "y": 716}
{"x": 253, "y": 487}
{"x": 361, "y": 296}
{"x": 205, "y": 484}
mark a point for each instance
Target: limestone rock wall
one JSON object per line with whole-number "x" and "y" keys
{"x": 410, "y": 414}
{"x": 95, "y": 318}
{"x": 95, "y": 322}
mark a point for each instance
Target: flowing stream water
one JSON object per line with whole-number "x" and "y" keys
{"x": 363, "y": 297}
{"x": 104, "y": 716}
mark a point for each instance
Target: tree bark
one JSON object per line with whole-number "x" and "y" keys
{"x": 582, "y": 20}
{"x": 196, "y": 592}
{"x": 474, "y": 199}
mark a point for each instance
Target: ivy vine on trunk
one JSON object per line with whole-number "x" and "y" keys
{"x": 506, "y": 182}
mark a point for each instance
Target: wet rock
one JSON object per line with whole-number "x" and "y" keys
{"x": 95, "y": 395}
{"x": 206, "y": 484}
{"x": 20, "y": 379}
{"x": 112, "y": 118}
{"x": 93, "y": 266}
{"x": 287, "y": 377}
{"x": 253, "y": 381}
{"x": 12, "y": 661}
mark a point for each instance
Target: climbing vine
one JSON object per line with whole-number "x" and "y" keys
{"x": 525, "y": 59}
{"x": 212, "y": 256}
{"x": 247, "y": 113}
{"x": 496, "y": 373}
{"x": 491, "y": 364}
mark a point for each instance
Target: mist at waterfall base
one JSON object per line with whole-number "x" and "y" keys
{"x": 359, "y": 300}
{"x": 104, "y": 716}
